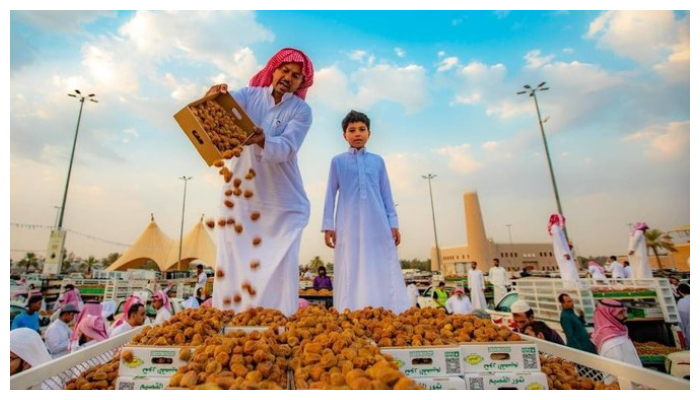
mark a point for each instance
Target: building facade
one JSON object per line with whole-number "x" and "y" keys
{"x": 514, "y": 257}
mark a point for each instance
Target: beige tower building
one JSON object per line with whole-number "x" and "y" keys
{"x": 513, "y": 256}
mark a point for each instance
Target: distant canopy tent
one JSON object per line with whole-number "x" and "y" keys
{"x": 197, "y": 245}
{"x": 153, "y": 244}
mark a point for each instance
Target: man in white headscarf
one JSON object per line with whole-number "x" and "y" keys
{"x": 637, "y": 252}
{"x": 27, "y": 350}
{"x": 562, "y": 251}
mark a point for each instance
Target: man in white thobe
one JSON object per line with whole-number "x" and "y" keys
{"x": 458, "y": 303}
{"x": 477, "y": 286}
{"x": 258, "y": 261}
{"x": 628, "y": 270}
{"x": 413, "y": 293}
{"x": 562, "y": 251}
{"x": 637, "y": 252}
{"x": 58, "y": 333}
{"x": 498, "y": 276}
{"x": 617, "y": 270}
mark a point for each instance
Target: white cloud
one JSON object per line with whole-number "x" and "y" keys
{"x": 404, "y": 85}
{"x": 482, "y": 83}
{"x": 130, "y": 133}
{"x": 491, "y": 145}
{"x": 357, "y": 55}
{"x": 534, "y": 60}
{"x": 441, "y": 54}
{"x": 61, "y": 21}
{"x": 460, "y": 159}
{"x": 400, "y": 52}
{"x": 667, "y": 142}
{"x": 112, "y": 71}
{"x": 331, "y": 88}
{"x": 447, "y": 63}
{"x": 200, "y": 35}
{"x": 369, "y": 85}
{"x": 568, "y": 50}
{"x": 645, "y": 36}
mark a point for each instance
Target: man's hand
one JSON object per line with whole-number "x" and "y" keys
{"x": 568, "y": 257}
{"x": 631, "y": 253}
{"x": 220, "y": 88}
{"x": 330, "y": 239}
{"x": 258, "y": 137}
{"x": 396, "y": 235}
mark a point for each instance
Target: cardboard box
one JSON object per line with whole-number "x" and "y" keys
{"x": 249, "y": 329}
{"x": 141, "y": 383}
{"x": 443, "y": 383}
{"x": 506, "y": 381}
{"x": 432, "y": 361}
{"x": 499, "y": 357}
{"x": 194, "y": 130}
{"x": 152, "y": 361}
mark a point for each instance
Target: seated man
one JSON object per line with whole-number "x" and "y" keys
{"x": 322, "y": 281}
{"x": 523, "y": 315}
{"x": 540, "y": 330}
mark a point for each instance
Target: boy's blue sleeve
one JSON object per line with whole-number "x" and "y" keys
{"x": 329, "y": 206}
{"x": 387, "y": 198}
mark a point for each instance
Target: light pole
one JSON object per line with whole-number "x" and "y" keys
{"x": 510, "y": 262}
{"x": 533, "y": 93}
{"x": 57, "y": 211}
{"x": 182, "y": 221}
{"x": 54, "y": 251}
{"x": 430, "y": 177}
{"x": 81, "y": 98}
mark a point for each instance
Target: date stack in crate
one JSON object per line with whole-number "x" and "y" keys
{"x": 461, "y": 352}
{"x": 155, "y": 354}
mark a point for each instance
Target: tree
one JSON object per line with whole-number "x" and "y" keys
{"x": 315, "y": 263}
{"x": 657, "y": 240}
{"x": 29, "y": 260}
{"x": 110, "y": 259}
{"x": 89, "y": 263}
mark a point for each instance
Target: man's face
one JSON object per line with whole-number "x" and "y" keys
{"x": 34, "y": 307}
{"x": 622, "y": 316}
{"x": 157, "y": 303}
{"x": 322, "y": 272}
{"x": 496, "y": 263}
{"x": 473, "y": 265}
{"x": 567, "y": 303}
{"x": 356, "y": 134}
{"x": 139, "y": 317}
{"x": 521, "y": 319}
{"x": 531, "y": 332}
{"x": 287, "y": 78}
{"x": 67, "y": 317}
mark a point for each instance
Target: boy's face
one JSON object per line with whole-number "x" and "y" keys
{"x": 356, "y": 134}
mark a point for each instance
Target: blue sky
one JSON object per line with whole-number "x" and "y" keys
{"x": 440, "y": 88}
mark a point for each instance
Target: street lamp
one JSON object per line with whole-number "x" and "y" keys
{"x": 432, "y": 208}
{"x": 533, "y": 93}
{"x": 81, "y": 98}
{"x": 182, "y": 221}
{"x": 55, "y": 248}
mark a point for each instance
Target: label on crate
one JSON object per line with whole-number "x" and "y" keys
{"x": 426, "y": 361}
{"x": 504, "y": 357}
